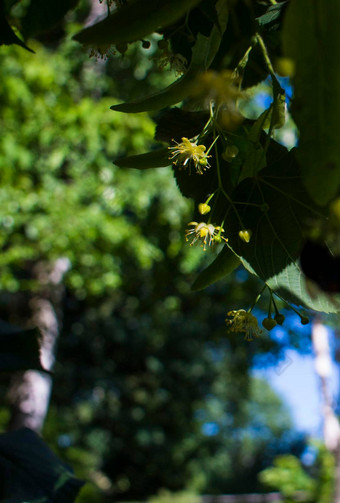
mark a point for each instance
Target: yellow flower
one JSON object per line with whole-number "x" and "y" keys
{"x": 223, "y": 89}
{"x": 207, "y": 233}
{"x": 187, "y": 151}
{"x": 242, "y": 322}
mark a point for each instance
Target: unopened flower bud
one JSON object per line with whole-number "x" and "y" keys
{"x": 279, "y": 318}
{"x": 230, "y": 153}
{"x": 245, "y": 235}
{"x": 204, "y": 208}
{"x": 269, "y": 323}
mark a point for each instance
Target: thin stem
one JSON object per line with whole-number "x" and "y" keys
{"x": 213, "y": 143}
{"x": 290, "y": 305}
{"x": 267, "y": 58}
{"x": 270, "y": 304}
{"x": 217, "y": 192}
{"x": 248, "y": 204}
{"x": 210, "y": 197}
{"x": 257, "y": 298}
{"x": 239, "y": 69}
{"x": 274, "y": 303}
{"x": 220, "y": 184}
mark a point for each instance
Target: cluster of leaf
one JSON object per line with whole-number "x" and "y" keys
{"x": 274, "y": 193}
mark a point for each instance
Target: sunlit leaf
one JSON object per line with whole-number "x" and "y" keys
{"x": 271, "y": 19}
{"x": 30, "y": 471}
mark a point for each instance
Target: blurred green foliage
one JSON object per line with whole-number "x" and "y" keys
{"x": 315, "y": 483}
{"x": 60, "y": 194}
{"x": 288, "y": 476}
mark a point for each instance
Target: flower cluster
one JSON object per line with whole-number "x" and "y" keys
{"x": 222, "y": 88}
{"x": 188, "y": 152}
{"x": 243, "y": 322}
{"x": 206, "y": 233}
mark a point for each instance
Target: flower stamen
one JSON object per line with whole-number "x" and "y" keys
{"x": 188, "y": 152}
{"x": 241, "y": 321}
{"x": 208, "y": 234}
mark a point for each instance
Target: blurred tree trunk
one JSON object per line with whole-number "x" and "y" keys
{"x": 30, "y": 391}
{"x": 331, "y": 429}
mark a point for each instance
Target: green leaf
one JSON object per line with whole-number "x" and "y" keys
{"x": 30, "y": 471}
{"x": 311, "y": 37}
{"x": 7, "y": 35}
{"x": 224, "y": 264}
{"x": 174, "y": 123}
{"x": 271, "y": 19}
{"x": 19, "y": 349}
{"x": 254, "y": 159}
{"x": 291, "y": 285}
{"x": 42, "y": 16}
{"x": 172, "y": 94}
{"x": 278, "y": 209}
{"x": 156, "y": 159}
{"x": 135, "y": 20}
{"x": 215, "y": 37}
{"x": 277, "y": 113}
{"x": 203, "y": 53}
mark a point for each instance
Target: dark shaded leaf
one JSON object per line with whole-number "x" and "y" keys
{"x": 224, "y": 264}
{"x": 30, "y": 471}
{"x": 254, "y": 159}
{"x": 171, "y": 95}
{"x": 311, "y": 37}
{"x": 193, "y": 185}
{"x": 156, "y": 159}
{"x": 175, "y": 123}
{"x": 7, "y": 35}
{"x": 41, "y": 15}
{"x": 135, "y": 20}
